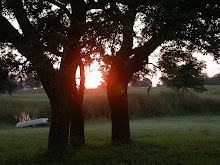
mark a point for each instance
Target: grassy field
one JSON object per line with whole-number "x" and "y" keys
{"x": 186, "y": 129}
{"x": 161, "y": 102}
{"x": 212, "y": 90}
{"x": 162, "y": 140}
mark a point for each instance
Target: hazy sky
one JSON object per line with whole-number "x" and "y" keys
{"x": 212, "y": 67}
{"x": 93, "y": 76}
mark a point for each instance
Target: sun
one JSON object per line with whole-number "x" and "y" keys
{"x": 93, "y": 79}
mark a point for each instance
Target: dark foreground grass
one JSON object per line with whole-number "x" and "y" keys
{"x": 163, "y": 140}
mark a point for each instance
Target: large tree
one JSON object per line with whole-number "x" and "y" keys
{"x": 49, "y": 30}
{"x": 193, "y": 25}
{"x": 52, "y": 29}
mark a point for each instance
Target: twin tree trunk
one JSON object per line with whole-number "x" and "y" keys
{"x": 66, "y": 116}
{"x": 118, "y": 101}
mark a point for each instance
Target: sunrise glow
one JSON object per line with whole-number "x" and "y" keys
{"x": 93, "y": 79}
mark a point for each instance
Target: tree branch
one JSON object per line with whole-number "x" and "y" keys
{"x": 154, "y": 65}
{"x": 8, "y": 33}
{"x": 142, "y": 53}
{"x": 53, "y": 51}
{"x": 127, "y": 21}
{"x": 61, "y": 6}
{"x": 95, "y": 5}
{"x": 21, "y": 16}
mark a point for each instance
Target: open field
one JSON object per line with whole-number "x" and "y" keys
{"x": 186, "y": 129}
{"x": 162, "y": 140}
{"x": 212, "y": 90}
{"x": 161, "y": 102}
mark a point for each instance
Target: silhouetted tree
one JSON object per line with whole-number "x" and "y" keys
{"x": 50, "y": 30}
{"x": 53, "y": 29}
{"x": 215, "y": 80}
{"x": 7, "y": 82}
{"x": 32, "y": 82}
{"x": 141, "y": 83}
{"x": 180, "y": 70}
{"x": 192, "y": 25}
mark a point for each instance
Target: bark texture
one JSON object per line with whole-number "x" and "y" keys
{"x": 59, "y": 127}
{"x": 118, "y": 101}
{"x": 66, "y": 114}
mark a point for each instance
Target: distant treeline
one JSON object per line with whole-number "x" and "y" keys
{"x": 215, "y": 80}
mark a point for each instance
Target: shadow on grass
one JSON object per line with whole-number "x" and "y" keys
{"x": 137, "y": 152}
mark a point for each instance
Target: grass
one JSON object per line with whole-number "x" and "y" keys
{"x": 161, "y": 102}
{"x": 33, "y": 105}
{"x": 185, "y": 131}
{"x": 162, "y": 140}
{"x": 212, "y": 90}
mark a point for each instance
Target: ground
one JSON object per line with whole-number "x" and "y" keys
{"x": 163, "y": 140}
{"x": 184, "y": 130}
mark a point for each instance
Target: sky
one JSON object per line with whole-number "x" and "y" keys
{"x": 212, "y": 67}
{"x": 93, "y": 76}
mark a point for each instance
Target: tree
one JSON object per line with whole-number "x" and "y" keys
{"x": 136, "y": 82}
{"x": 7, "y": 83}
{"x": 32, "y": 82}
{"x": 215, "y": 80}
{"x": 52, "y": 29}
{"x": 180, "y": 70}
{"x": 193, "y": 25}
{"x": 49, "y": 30}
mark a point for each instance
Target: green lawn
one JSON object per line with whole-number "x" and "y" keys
{"x": 193, "y": 138}
{"x": 162, "y": 140}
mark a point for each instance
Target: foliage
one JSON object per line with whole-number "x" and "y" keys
{"x": 136, "y": 82}
{"x": 32, "y": 82}
{"x": 8, "y": 83}
{"x": 193, "y": 25}
{"x": 52, "y": 32}
{"x": 215, "y": 80}
{"x": 180, "y": 70}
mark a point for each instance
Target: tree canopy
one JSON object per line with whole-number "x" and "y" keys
{"x": 215, "y": 80}
{"x": 190, "y": 25}
{"x": 8, "y": 83}
{"x": 180, "y": 70}
{"x": 70, "y": 33}
{"x": 137, "y": 82}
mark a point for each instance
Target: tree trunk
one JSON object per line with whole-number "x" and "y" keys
{"x": 66, "y": 110}
{"x": 77, "y": 137}
{"x": 59, "y": 128}
{"x": 118, "y": 101}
